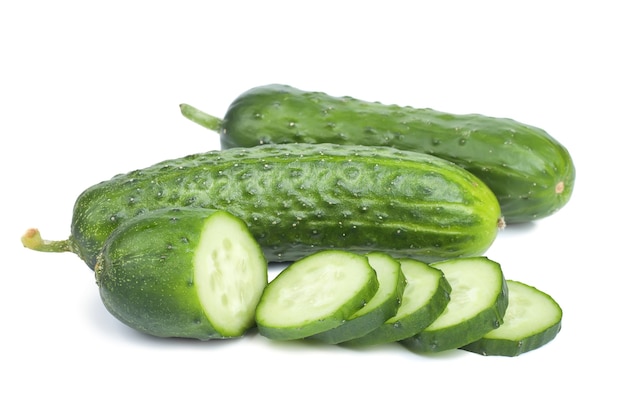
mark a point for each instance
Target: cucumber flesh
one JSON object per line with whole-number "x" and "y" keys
{"x": 478, "y": 301}
{"x": 381, "y": 307}
{"x": 532, "y": 319}
{"x": 315, "y": 294}
{"x": 227, "y": 262}
{"x": 424, "y": 298}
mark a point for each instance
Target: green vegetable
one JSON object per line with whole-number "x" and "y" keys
{"x": 426, "y": 295}
{"x": 532, "y": 319}
{"x": 298, "y": 199}
{"x": 190, "y": 273}
{"x": 478, "y": 301}
{"x": 530, "y": 172}
{"x": 315, "y": 294}
{"x": 384, "y": 304}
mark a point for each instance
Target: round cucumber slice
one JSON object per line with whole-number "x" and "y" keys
{"x": 192, "y": 273}
{"x": 381, "y": 307}
{"x": 315, "y": 294}
{"x": 424, "y": 298}
{"x": 532, "y": 319}
{"x": 478, "y": 301}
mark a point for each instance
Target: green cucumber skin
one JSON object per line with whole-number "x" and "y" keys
{"x": 522, "y": 164}
{"x": 510, "y": 348}
{"x": 298, "y": 199}
{"x": 145, "y": 275}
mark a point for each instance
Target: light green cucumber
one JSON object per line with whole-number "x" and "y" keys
{"x": 532, "y": 319}
{"x": 315, "y": 294}
{"x": 530, "y": 172}
{"x": 297, "y": 199}
{"x": 478, "y": 301}
{"x": 189, "y": 273}
{"x": 384, "y": 304}
{"x": 425, "y": 297}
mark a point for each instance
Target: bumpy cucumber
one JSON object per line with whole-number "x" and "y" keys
{"x": 532, "y": 319}
{"x": 298, "y": 199}
{"x": 315, "y": 294}
{"x": 478, "y": 302}
{"x": 529, "y": 171}
{"x": 383, "y": 305}
{"x": 190, "y": 273}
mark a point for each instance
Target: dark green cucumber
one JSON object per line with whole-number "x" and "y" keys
{"x": 298, "y": 199}
{"x": 529, "y": 171}
{"x": 191, "y": 273}
{"x": 315, "y": 294}
{"x": 532, "y": 319}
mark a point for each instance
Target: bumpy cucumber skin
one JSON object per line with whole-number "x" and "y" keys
{"x": 530, "y": 172}
{"x": 146, "y": 278}
{"x": 298, "y": 199}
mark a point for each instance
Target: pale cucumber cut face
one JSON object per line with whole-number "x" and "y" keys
{"x": 388, "y": 276}
{"x": 230, "y": 274}
{"x": 328, "y": 286}
{"x": 422, "y": 284}
{"x": 476, "y": 286}
{"x": 529, "y": 312}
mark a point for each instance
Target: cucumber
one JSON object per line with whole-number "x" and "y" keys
{"x": 426, "y": 295}
{"x": 384, "y": 304}
{"x": 532, "y": 319}
{"x": 478, "y": 302}
{"x": 530, "y": 172}
{"x": 189, "y": 273}
{"x": 298, "y": 199}
{"x": 315, "y": 294}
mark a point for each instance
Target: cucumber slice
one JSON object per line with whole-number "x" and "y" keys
{"x": 424, "y": 298}
{"x": 532, "y": 319}
{"x": 183, "y": 272}
{"x": 478, "y": 301}
{"x": 315, "y": 294}
{"x": 381, "y": 307}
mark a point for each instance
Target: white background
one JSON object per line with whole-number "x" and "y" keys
{"x": 91, "y": 89}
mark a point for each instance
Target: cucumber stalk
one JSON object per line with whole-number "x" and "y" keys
{"x": 203, "y": 119}
{"x": 32, "y": 240}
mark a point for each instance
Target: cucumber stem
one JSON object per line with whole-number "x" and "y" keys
{"x": 32, "y": 240}
{"x": 203, "y": 119}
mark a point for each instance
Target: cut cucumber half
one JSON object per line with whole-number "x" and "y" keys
{"x": 382, "y": 306}
{"x": 184, "y": 272}
{"x": 315, "y": 294}
{"x": 532, "y": 319}
{"x": 424, "y": 298}
{"x": 478, "y": 301}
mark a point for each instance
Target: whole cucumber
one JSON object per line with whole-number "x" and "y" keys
{"x": 298, "y": 199}
{"x": 531, "y": 174}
